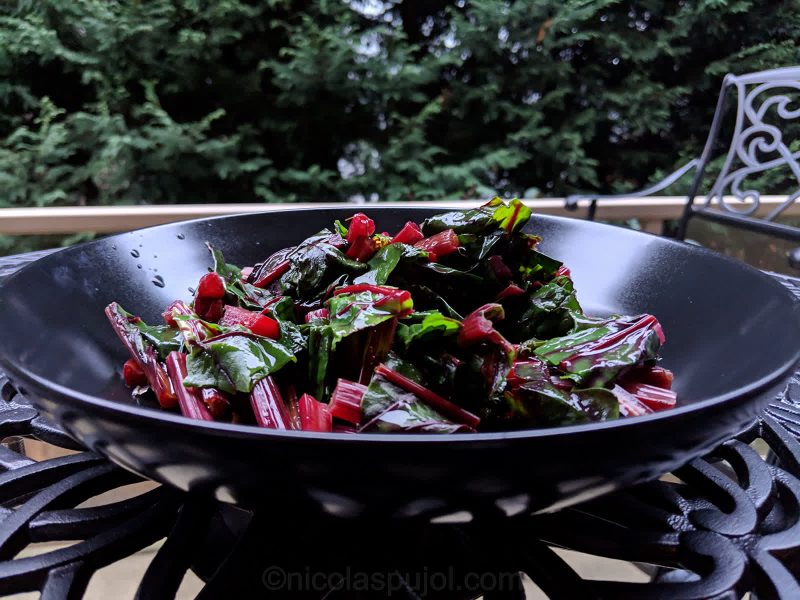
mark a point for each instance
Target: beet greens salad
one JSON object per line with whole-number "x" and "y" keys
{"x": 457, "y": 324}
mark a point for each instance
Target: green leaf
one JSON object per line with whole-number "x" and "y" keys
{"x": 479, "y": 221}
{"x": 600, "y": 349}
{"x": 529, "y": 262}
{"x": 478, "y": 247}
{"x": 404, "y": 367}
{"x": 129, "y": 324}
{"x": 430, "y": 325}
{"x": 291, "y": 335}
{"x": 386, "y": 259}
{"x": 424, "y": 295}
{"x": 354, "y": 312}
{"x": 316, "y": 264}
{"x": 165, "y": 339}
{"x": 320, "y": 347}
{"x": 203, "y": 372}
{"x": 449, "y": 274}
{"x": 537, "y": 402}
{"x": 447, "y": 289}
{"x": 248, "y": 295}
{"x": 512, "y": 216}
{"x": 550, "y": 312}
{"x": 599, "y": 403}
{"x": 340, "y": 228}
{"x": 472, "y": 220}
{"x": 187, "y": 325}
{"x": 380, "y": 395}
{"x": 230, "y": 273}
{"x": 386, "y": 407}
{"x": 412, "y": 417}
{"x": 243, "y": 360}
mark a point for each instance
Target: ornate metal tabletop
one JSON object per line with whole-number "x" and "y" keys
{"x": 719, "y": 527}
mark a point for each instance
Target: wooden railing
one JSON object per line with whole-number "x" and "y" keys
{"x": 651, "y": 213}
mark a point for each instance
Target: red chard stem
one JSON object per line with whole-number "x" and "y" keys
{"x": 447, "y": 408}
{"x": 190, "y": 400}
{"x": 143, "y": 354}
{"x": 216, "y": 402}
{"x": 268, "y": 406}
{"x": 271, "y": 275}
{"x": 159, "y": 380}
{"x": 346, "y": 399}
{"x": 314, "y": 415}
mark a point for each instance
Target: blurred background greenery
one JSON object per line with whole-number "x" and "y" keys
{"x": 167, "y": 101}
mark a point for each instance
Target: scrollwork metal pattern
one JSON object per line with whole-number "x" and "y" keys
{"x": 758, "y": 145}
{"x": 725, "y": 524}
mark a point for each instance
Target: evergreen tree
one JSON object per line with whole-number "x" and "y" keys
{"x": 121, "y": 101}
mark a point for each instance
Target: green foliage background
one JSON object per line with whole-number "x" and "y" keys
{"x": 128, "y": 101}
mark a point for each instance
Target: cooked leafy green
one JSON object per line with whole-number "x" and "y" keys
{"x": 247, "y": 295}
{"x": 412, "y": 416}
{"x": 380, "y": 395}
{"x": 452, "y": 290}
{"x": 597, "y": 354}
{"x": 425, "y": 326}
{"x": 320, "y": 347}
{"x": 512, "y": 216}
{"x": 529, "y": 263}
{"x": 477, "y": 247}
{"x": 535, "y": 398}
{"x": 203, "y": 372}
{"x": 340, "y": 228}
{"x": 235, "y": 362}
{"x": 386, "y": 407}
{"x": 292, "y": 335}
{"x": 164, "y": 339}
{"x": 426, "y": 299}
{"x": 549, "y": 311}
{"x": 354, "y": 312}
{"x": 459, "y": 325}
{"x": 473, "y": 220}
{"x": 482, "y": 220}
{"x": 230, "y": 273}
{"x": 316, "y": 263}
{"x": 386, "y": 260}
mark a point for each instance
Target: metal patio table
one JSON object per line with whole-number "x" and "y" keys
{"x": 721, "y": 526}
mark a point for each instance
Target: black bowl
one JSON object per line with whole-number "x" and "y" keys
{"x": 732, "y": 339}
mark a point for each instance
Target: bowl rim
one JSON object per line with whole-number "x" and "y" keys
{"x": 131, "y": 411}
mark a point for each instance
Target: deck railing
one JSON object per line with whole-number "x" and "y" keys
{"x": 651, "y": 212}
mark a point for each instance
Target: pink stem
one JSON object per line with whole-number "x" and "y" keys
{"x": 268, "y": 406}
{"x": 444, "y": 406}
{"x": 190, "y": 400}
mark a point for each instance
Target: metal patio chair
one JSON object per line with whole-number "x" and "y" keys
{"x": 758, "y": 144}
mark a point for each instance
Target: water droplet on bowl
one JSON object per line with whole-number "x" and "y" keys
{"x": 181, "y": 236}
{"x": 155, "y": 255}
{"x": 135, "y": 253}
{"x": 138, "y": 266}
{"x": 191, "y": 291}
{"x": 158, "y": 281}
